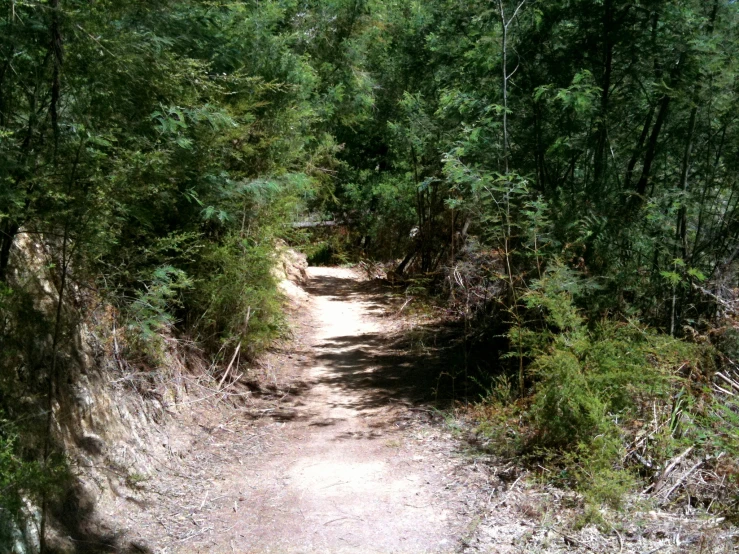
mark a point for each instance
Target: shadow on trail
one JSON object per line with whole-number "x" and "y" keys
{"x": 375, "y": 293}
{"x": 373, "y": 366}
{"x": 77, "y": 519}
{"x": 422, "y": 367}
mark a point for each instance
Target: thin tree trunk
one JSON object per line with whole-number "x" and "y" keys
{"x": 540, "y": 154}
{"x": 52, "y": 382}
{"x": 506, "y": 76}
{"x": 650, "y": 114}
{"x": 9, "y": 231}
{"x": 505, "y": 86}
{"x": 602, "y": 128}
{"x": 703, "y": 201}
{"x": 56, "y": 50}
{"x": 3, "y": 72}
{"x": 57, "y": 58}
{"x": 638, "y": 148}
{"x": 651, "y": 154}
{"x": 682, "y": 218}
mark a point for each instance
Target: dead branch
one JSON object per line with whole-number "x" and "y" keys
{"x": 228, "y": 369}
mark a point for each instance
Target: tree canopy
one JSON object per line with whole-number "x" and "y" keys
{"x": 569, "y": 161}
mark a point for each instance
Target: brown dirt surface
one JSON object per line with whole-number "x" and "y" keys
{"x": 338, "y": 450}
{"x": 338, "y": 457}
{"x": 341, "y": 476}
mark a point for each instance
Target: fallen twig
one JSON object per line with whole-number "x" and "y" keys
{"x": 620, "y": 541}
{"x": 670, "y": 467}
{"x": 723, "y": 390}
{"x": 228, "y": 369}
{"x": 682, "y": 478}
{"x": 569, "y": 539}
{"x": 404, "y": 305}
{"x": 731, "y": 382}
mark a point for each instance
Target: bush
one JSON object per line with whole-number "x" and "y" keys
{"x": 586, "y": 377}
{"x": 23, "y": 484}
{"x": 150, "y": 314}
{"x": 591, "y": 386}
{"x": 331, "y": 247}
{"x": 236, "y": 298}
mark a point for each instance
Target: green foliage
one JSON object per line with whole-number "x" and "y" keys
{"x": 383, "y": 209}
{"x": 176, "y": 129}
{"x": 23, "y": 482}
{"x": 592, "y": 384}
{"x": 159, "y": 149}
{"x": 239, "y": 301}
{"x": 153, "y": 152}
{"x": 587, "y": 130}
{"x": 714, "y": 426}
{"x": 598, "y": 472}
{"x": 149, "y": 315}
{"x": 327, "y": 252}
{"x": 587, "y": 376}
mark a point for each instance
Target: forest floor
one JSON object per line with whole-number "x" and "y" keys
{"x": 339, "y": 450}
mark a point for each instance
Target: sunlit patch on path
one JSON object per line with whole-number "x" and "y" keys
{"x": 342, "y": 476}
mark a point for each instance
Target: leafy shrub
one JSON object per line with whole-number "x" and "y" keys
{"x": 599, "y": 471}
{"x": 332, "y": 249}
{"x": 237, "y": 299}
{"x": 322, "y": 254}
{"x": 151, "y": 312}
{"x": 23, "y": 484}
{"x": 586, "y": 376}
{"x": 591, "y": 385}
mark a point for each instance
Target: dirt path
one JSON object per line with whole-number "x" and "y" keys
{"x": 336, "y": 452}
{"x": 342, "y": 475}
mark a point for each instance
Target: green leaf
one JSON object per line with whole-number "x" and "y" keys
{"x": 671, "y": 277}
{"x": 697, "y": 274}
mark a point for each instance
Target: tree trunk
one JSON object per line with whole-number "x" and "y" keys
{"x": 651, "y": 154}
{"x": 602, "y": 126}
{"x": 56, "y": 50}
{"x": 682, "y": 218}
{"x": 9, "y": 231}
{"x": 57, "y": 57}
{"x": 638, "y": 148}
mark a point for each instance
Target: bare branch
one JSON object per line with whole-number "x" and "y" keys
{"x": 515, "y": 13}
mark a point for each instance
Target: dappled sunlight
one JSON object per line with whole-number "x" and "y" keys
{"x": 345, "y": 476}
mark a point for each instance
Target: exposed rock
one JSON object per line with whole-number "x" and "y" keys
{"x": 290, "y": 272}
{"x": 105, "y": 428}
{"x": 291, "y": 265}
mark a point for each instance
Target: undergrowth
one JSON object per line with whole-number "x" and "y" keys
{"x": 597, "y": 390}
{"x": 24, "y": 481}
{"x": 238, "y": 300}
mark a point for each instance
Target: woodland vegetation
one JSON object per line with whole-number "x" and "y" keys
{"x": 561, "y": 174}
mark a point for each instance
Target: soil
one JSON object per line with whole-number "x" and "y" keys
{"x": 342, "y": 477}
{"x": 338, "y": 449}
{"x": 339, "y": 457}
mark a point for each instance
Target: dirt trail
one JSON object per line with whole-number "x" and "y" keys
{"x": 335, "y": 452}
{"x": 342, "y": 476}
